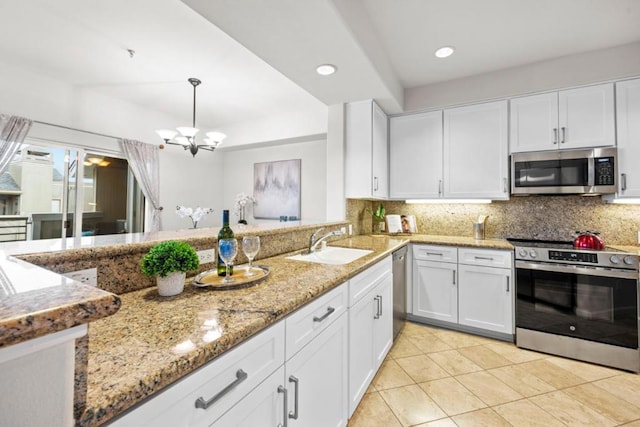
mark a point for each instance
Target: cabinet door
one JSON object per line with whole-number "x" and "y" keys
{"x": 534, "y": 123}
{"x": 361, "y": 347}
{"x": 380, "y": 154}
{"x": 383, "y": 321}
{"x": 486, "y": 298}
{"x": 476, "y": 151}
{"x": 435, "y": 290}
{"x": 586, "y": 117}
{"x": 264, "y": 406}
{"x": 415, "y": 156}
{"x": 317, "y": 380}
{"x": 358, "y": 137}
{"x": 628, "y": 126}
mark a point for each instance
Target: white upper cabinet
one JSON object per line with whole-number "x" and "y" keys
{"x": 366, "y": 154}
{"x": 534, "y": 123}
{"x": 415, "y": 156}
{"x": 628, "y": 126}
{"x": 574, "y": 118}
{"x": 476, "y": 151}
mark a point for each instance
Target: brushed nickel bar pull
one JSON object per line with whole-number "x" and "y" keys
{"x": 486, "y": 258}
{"x": 205, "y": 404}
{"x": 283, "y": 390}
{"x": 555, "y": 136}
{"x": 454, "y": 277}
{"x": 378, "y": 300}
{"x": 623, "y": 183}
{"x": 504, "y": 185}
{"x": 294, "y": 414}
{"x": 439, "y": 187}
{"x": 375, "y": 183}
{"x": 564, "y": 134}
{"x": 435, "y": 253}
{"x": 330, "y": 310}
{"x": 507, "y": 283}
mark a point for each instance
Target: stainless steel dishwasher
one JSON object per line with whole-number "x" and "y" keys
{"x": 399, "y": 290}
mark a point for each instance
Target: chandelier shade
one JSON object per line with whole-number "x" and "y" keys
{"x": 185, "y": 136}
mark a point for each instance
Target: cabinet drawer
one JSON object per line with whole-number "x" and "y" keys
{"x": 435, "y": 253}
{"x": 176, "y": 406}
{"x": 485, "y": 257}
{"x": 306, "y": 323}
{"x": 363, "y": 282}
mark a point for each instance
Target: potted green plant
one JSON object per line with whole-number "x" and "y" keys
{"x": 378, "y": 216}
{"x": 169, "y": 261}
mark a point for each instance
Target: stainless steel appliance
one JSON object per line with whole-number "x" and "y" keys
{"x": 577, "y": 303}
{"x": 399, "y": 290}
{"x": 588, "y": 171}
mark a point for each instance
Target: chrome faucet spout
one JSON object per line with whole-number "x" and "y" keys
{"x": 314, "y": 241}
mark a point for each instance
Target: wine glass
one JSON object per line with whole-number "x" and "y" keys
{"x": 228, "y": 249}
{"x": 250, "y": 247}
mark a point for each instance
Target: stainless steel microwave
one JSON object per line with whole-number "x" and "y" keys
{"x": 585, "y": 171}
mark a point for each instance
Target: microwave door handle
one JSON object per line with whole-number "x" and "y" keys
{"x": 591, "y": 172}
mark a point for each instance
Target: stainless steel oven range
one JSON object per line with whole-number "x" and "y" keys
{"x": 576, "y": 303}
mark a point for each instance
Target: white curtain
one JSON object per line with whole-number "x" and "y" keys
{"x": 143, "y": 160}
{"x": 13, "y": 130}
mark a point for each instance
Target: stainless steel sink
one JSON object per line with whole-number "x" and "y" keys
{"x": 333, "y": 255}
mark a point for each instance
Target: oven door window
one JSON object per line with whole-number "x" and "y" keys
{"x": 552, "y": 173}
{"x": 594, "y": 308}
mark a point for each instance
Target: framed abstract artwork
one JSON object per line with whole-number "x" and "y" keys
{"x": 276, "y": 189}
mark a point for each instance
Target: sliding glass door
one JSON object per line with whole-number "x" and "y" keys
{"x": 53, "y": 191}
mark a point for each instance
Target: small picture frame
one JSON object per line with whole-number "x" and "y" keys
{"x": 401, "y": 224}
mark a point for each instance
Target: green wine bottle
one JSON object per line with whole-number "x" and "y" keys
{"x": 225, "y": 233}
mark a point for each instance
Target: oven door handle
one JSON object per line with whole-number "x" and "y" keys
{"x": 578, "y": 269}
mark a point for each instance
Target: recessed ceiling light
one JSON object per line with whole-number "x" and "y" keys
{"x": 444, "y": 51}
{"x": 326, "y": 69}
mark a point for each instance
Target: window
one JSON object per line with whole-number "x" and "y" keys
{"x": 48, "y": 186}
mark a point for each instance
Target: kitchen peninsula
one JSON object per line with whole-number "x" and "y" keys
{"x": 152, "y": 342}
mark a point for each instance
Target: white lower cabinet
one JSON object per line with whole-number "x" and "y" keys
{"x": 264, "y": 406}
{"x": 484, "y": 298}
{"x": 370, "y": 327}
{"x": 475, "y": 291}
{"x": 435, "y": 291}
{"x": 435, "y": 294}
{"x": 317, "y": 380}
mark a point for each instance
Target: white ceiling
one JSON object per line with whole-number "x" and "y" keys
{"x": 381, "y": 47}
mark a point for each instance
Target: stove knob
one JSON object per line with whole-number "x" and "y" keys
{"x": 533, "y": 253}
{"x": 523, "y": 253}
{"x": 614, "y": 259}
{"x": 628, "y": 260}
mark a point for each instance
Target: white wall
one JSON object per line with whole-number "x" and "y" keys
{"x": 573, "y": 70}
{"x": 238, "y": 173}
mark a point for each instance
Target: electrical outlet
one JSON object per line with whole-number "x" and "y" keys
{"x": 350, "y": 229}
{"x": 207, "y": 255}
{"x": 88, "y": 276}
{"x": 344, "y": 230}
{"x": 638, "y": 236}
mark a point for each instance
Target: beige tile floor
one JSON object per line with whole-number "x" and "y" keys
{"x": 440, "y": 378}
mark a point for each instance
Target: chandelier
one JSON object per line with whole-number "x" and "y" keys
{"x": 187, "y": 138}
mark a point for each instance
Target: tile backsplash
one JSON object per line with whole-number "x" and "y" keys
{"x": 541, "y": 217}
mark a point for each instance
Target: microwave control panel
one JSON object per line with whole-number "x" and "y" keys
{"x": 605, "y": 172}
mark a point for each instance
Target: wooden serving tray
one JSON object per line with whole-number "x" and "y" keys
{"x": 210, "y": 278}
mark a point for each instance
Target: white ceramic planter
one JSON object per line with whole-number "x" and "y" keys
{"x": 172, "y": 284}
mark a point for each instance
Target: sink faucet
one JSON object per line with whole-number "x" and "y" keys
{"x": 314, "y": 241}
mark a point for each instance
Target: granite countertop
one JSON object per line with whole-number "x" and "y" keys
{"x": 35, "y": 302}
{"x": 461, "y": 241}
